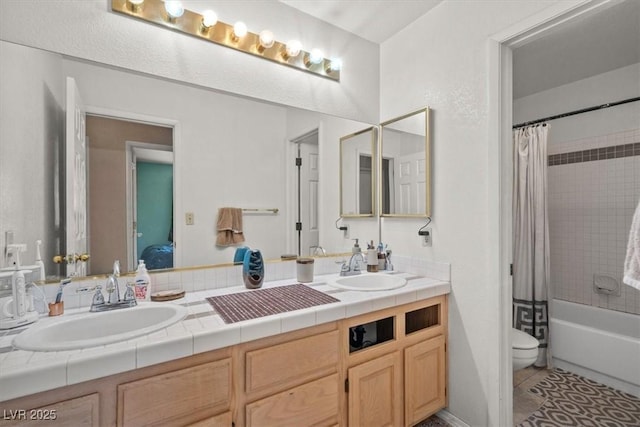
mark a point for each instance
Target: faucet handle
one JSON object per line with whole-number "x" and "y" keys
{"x": 98, "y": 298}
{"x": 129, "y": 294}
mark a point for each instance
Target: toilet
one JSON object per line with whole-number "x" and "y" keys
{"x": 525, "y": 349}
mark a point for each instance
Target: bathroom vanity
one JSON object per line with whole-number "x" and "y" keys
{"x": 313, "y": 374}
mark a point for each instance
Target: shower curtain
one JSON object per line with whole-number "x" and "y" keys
{"x": 531, "y": 237}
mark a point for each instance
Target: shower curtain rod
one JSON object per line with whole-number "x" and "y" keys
{"x": 573, "y": 113}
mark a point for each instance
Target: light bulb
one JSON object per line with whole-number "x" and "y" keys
{"x": 174, "y": 8}
{"x": 335, "y": 65}
{"x": 316, "y": 56}
{"x": 293, "y": 48}
{"x": 266, "y": 39}
{"x": 239, "y": 29}
{"x": 209, "y": 18}
{"x": 136, "y": 2}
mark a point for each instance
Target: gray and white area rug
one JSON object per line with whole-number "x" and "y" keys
{"x": 572, "y": 400}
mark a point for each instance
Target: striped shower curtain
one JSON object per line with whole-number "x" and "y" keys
{"x": 531, "y": 237}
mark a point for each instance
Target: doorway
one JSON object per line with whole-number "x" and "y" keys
{"x": 501, "y": 47}
{"x": 307, "y": 181}
{"x": 110, "y": 204}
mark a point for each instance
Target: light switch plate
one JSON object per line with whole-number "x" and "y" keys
{"x": 188, "y": 218}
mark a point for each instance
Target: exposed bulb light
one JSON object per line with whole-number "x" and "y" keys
{"x": 292, "y": 49}
{"x": 334, "y": 65}
{"x": 313, "y": 58}
{"x": 265, "y": 40}
{"x": 239, "y": 30}
{"x": 174, "y": 8}
{"x": 209, "y": 19}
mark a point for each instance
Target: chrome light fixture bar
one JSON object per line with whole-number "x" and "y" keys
{"x": 236, "y": 36}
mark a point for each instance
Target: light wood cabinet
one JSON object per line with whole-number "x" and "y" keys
{"x": 169, "y": 398}
{"x": 399, "y": 378}
{"x": 311, "y": 404}
{"x": 80, "y": 411}
{"x": 310, "y": 377}
{"x": 375, "y": 392}
{"x": 424, "y": 379}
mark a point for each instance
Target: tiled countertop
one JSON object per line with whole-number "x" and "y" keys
{"x": 26, "y": 372}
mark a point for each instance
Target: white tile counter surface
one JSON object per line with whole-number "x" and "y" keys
{"x": 26, "y": 372}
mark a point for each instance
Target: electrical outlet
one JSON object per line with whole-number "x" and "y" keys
{"x": 188, "y": 218}
{"x": 427, "y": 237}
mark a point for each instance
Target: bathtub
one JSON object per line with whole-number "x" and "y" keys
{"x": 600, "y": 344}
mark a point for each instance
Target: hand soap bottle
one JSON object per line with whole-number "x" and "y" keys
{"x": 143, "y": 282}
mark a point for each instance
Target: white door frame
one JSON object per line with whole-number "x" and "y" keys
{"x": 177, "y": 167}
{"x": 500, "y": 179}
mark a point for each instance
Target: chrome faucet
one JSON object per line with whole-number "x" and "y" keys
{"x": 353, "y": 266}
{"x": 113, "y": 289}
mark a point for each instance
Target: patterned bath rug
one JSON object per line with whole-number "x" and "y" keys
{"x": 433, "y": 421}
{"x": 572, "y": 400}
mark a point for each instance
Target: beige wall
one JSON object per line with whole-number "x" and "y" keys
{"x": 107, "y": 185}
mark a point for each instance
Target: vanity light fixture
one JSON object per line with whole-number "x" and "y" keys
{"x": 206, "y": 26}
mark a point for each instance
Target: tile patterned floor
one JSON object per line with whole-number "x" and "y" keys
{"x": 567, "y": 400}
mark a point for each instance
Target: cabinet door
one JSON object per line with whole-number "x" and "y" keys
{"x": 222, "y": 420}
{"x": 311, "y": 404}
{"x": 375, "y": 392}
{"x": 81, "y": 411}
{"x": 424, "y": 379}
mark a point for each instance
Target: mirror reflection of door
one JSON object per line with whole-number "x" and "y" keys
{"x": 76, "y": 238}
{"x": 365, "y": 190}
{"x": 307, "y": 191}
{"x": 110, "y": 216}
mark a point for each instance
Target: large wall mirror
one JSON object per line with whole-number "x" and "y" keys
{"x": 405, "y": 169}
{"x": 219, "y": 150}
{"x": 358, "y": 160}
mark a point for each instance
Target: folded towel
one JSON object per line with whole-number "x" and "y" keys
{"x": 229, "y": 227}
{"x": 632, "y": 262}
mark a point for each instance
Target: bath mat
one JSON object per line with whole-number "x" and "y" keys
{"x": 433, "y": 421}
{"x": 265, "y": 302}
{"x": 572, "y": 400}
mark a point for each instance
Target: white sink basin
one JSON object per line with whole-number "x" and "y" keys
{"x": 369, "y": 282}
{"x": 94, "y": 329}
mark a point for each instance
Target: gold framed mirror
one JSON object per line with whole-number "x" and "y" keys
{"x": 405, "y": 166}
{"x": 358, "y": 161}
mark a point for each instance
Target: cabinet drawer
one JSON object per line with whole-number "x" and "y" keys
{"x": 168, "y": 397}
{"x": 285, "y": 365}
{"x": 311, "y": 404}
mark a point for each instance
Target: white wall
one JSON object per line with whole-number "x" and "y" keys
{"x": 88, "y": 29}
{"x": 591, "y": 204}
{"x": 440, "y": 60}
{"x": 31, "y": 133}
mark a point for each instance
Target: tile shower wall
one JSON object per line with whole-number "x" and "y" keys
{"x": 593, "y": 194}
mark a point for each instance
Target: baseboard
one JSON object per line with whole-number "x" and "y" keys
{"x": 451, "y": 419}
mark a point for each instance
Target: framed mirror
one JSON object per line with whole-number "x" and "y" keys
{"x": 405, "y": 166}
{"x": 358, "y": 161}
